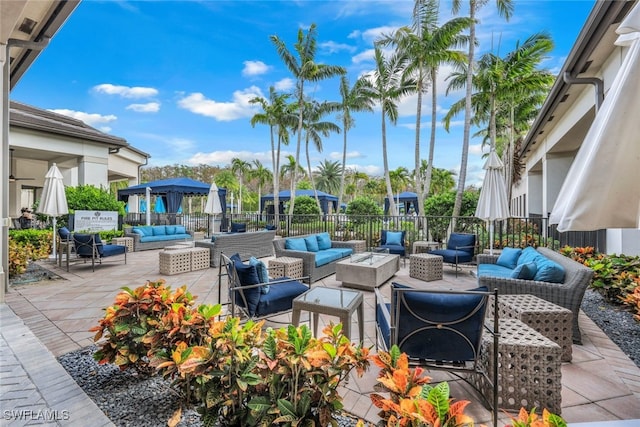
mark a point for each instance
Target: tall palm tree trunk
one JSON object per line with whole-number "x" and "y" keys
{"x": 387, "y": 176}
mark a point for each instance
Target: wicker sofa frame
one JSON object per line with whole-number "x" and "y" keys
{"x": 568, "y": 294}
{"x": 250, "y": 244}
{"x": 310, "y": 271}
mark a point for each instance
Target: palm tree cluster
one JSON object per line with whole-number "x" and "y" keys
{"x": 501, "y": 99}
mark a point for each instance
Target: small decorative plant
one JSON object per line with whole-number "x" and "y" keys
{"x": 412, "y": 401}
{"x": 531, "y": 419}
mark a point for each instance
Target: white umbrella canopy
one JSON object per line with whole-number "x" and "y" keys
{"x": 213, "y": 205}
{"x": 493, "y": 204}
{"x": 602, "y": 188}
{"x": 54, "y": 200}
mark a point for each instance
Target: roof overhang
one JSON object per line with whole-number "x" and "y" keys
{"x": 593, "y": 46}
{"x": 25, "y": 24}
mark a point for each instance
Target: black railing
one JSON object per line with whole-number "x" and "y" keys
{"x": 513, "y": 232}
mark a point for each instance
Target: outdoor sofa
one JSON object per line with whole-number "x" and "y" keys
{"x": 248, "y": 244}
{"x": 156, "y": 236}
{"x": 566, "y": 292}
{"x": 318, "y": 252}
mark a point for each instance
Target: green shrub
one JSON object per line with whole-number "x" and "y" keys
{"x": 305, "y": 210}
{"x": 361, "y": 208}
{"x": 441, "y": 206}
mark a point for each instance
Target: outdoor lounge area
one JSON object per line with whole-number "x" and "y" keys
{"x": 599, "y": 383}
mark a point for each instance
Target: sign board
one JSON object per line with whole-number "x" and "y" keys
{"x": 95, "y": 221}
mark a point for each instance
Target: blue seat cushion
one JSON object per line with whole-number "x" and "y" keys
{"x": 494, "y": 270}
{"x": 421, "y": 338}
{"x": 344, "y": 252}
{"x": 280, "y": 297}
{"x": 247, "y": 275}
{"x": 165, "y": 237}
{"x": 509, "y": 257}
{"x": 324, "y": 241}
{"x": 449, "y": 255}
{"x": 108, "y": 250}
{"x": 312, "y": 243}
{"x": 295, "y": 244}
{"x": 383, "y": 325}
{"x": 525, "y": 271}
{"x": 394, "y": 249}
{"x": 326, "y": 256}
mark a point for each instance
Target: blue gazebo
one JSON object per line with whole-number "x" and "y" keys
{"x": 407, "y": 198}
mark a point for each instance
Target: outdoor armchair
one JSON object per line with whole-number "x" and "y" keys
{"x": 393, "y": 241}
{"x": 460, "y": 249}
{"x": 442, "y": 330}
{"x": 89, "y": 246}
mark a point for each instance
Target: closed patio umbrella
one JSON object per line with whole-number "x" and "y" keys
{"x": 54, "y": 200}
{"x": 602, "y": 188}
{"x": 493, "y": 204}
{"x": 213, "y": 205}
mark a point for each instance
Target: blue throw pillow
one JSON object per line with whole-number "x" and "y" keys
{"x": 248, "y": 275}
{"x": 525, "y": 271}
{"x": 295, "y": 244}
{"x": 528, "y": 254}
{"x": 324, "y": 241}
{"x": 509, "y": 257}
{"x": 64, "y": 233}
{"x": 549, "y": 271}
{"x": 263, "y": 273}
{"x": 394, "y": 238}
{"x": 312, "y": 243}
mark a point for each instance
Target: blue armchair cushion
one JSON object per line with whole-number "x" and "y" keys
{"x": 394, "y": 238}
{"x": 525, "y": 271}
{"x": 462, "y": 242}
{"x": 509, "y": 257}
{"x": 64, "y": 233}
{"x": 437, "y": 343}
{"x": 280, "y": 297}
{"x": 324, "y": 241}
{"x": 312, "y": 243}
{"x": 263, "y": 273}
{"x": 248, "y": 275}
{"x": 296, "y": 244}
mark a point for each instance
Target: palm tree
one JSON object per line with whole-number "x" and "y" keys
{"x": 314, "y": 130}
{"x": 400, "y": 178}
{"x": 442, "y": 181}
{"x": 240, "y": 168}
{"x": 505, "y": 8}
{"x": 387, "y": 87}
{"x": 428, "y": 46}
{"x": 304, "y": 69}
{"x": 291, "y": 168}
{"x": 354, "y": 99}
{"x": 278, "y": 115}
{"x": 329, "y": 176}
{"x": 262, "y": 175}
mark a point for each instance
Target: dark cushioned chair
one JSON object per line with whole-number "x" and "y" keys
{"x": 460, "y": 249}
{"x": 246, "y": 290}
{"x": 439, "y": 329}
{"x": 89, "y": 246}
{"x": 392, "y": 243}
{"x": 238, "y": 227}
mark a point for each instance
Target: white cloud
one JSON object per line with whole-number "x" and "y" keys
{"x": 126, "y": 91}
{"x": 337, "y": 155}
{"x": 239, "y": 107}
{"x": 371, "y": 170}
{"x": 367, "y": 55}
{"x": 284, "y": 84}
{"x": 373, "y": 34}
{"x": 224, "y": 158}
{"x": 149, "y": 107}
{"x": 254, "y": 68}
{"x": 92, "y": 119}
{"x": 333, "y": 47}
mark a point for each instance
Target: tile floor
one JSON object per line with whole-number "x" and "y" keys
{"x": 600, "y": 384}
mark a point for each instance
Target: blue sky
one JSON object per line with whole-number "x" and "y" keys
{"x": 174, "y": 77}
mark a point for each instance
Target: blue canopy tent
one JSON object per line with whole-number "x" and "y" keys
{"x": 407, "y": 198}
{"x": 172, "y": 191}
{"x": 285, "y": 195}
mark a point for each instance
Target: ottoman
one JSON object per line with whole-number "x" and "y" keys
{"x": 425, "y": 267}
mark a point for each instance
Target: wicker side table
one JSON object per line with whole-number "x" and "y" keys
{"x": 199, "y": 258}
{"x": 359, "y": 245}
{"x": 286, "y": 266}
{"x": 425, "y": 267}
{"x": 175, "y": 261}
{"x": 551, "y": 320}
{"x": 529, "y": 369}
{"x": 123, "y": 241}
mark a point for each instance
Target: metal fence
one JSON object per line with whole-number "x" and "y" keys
{"x": 513, "y": 232}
